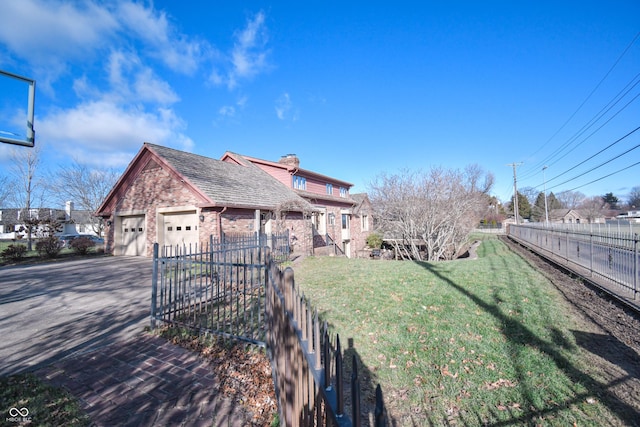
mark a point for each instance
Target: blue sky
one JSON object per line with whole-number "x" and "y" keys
{"x": 355, "y": 89}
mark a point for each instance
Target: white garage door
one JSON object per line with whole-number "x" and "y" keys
{"x": 134, "y": 235}
{"x": 181, "y": 229}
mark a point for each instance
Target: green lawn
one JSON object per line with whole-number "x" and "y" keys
{"x": 40, "y": 403}
{"x": 467, "y": 342}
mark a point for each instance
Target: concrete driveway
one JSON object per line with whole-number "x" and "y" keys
{"x": 49, "y": 311}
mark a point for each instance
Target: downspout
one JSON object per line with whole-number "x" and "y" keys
{"x": 220, "y": 223}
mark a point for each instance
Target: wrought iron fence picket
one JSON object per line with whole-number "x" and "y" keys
{"x": 233, "y": 287}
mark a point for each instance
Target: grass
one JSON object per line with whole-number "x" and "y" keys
{"x": 470, "y": 342}
{"x": 45, "y": 405}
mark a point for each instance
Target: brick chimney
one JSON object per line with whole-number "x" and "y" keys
{"x": 290, "y": 160}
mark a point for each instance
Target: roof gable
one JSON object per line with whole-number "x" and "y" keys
{"x": 218, "y": 182}
{"x": 239, "y": 158}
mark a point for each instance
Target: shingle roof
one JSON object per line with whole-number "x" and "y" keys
{"x": 228, "y": 184}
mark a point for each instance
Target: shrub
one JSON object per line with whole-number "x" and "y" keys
{"x": 81, "y": 245}
{"x": 49, "y": 246}
{"x": 374, "y": 241}
{"x": 14, "y": 252}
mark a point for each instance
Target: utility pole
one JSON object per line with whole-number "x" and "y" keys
{"x": 515, "y": 190}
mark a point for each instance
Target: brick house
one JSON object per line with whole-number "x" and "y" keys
{"x": 178, "y": 198}
{"x": 340, "y": 222}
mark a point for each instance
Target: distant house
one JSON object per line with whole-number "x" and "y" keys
{"x": 574, "y": 216}
{"x": 13, "y": 220}
{"x": 631, "y": 216}
{"x": 177, "y": 198}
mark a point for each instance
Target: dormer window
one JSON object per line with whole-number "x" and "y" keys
{"x": 299, "y": 182}
{"x": 343, "y": 192}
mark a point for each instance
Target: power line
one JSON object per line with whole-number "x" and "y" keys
{"x": 596, "y": 167}
{"x": 594, "y": 132}
{"x": 594, "y": 155}
{"x": 624, "y": 52}
{"x": 606, "y": 176}
{"x": 615, "y": 100}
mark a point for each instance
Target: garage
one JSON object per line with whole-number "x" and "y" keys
{"x": 180, "y": 228}
{"x": 133, "y": 235}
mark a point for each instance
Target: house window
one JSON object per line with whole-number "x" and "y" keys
{"x": 365, "y": 223}
{"x": 331, "y": 219}
{"x": 299, "y": 182}
{"x": 329, "y": 188}
{"x": 343, "y": 192}
{"x": 345, "y": 221}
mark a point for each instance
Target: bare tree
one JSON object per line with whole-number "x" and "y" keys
{"x": 570, "y": 199}
{"x": 85, "y": 187}
{"x": 5, "y": 190}
{"x": 634, "y": 198}
{"x": 428, "y": 216}
{"x": 531, "y": 193}
{"x": 29, "y": 190}
{"x": 593, "y": 208}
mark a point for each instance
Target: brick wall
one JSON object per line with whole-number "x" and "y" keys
{"x": 151, "y": 188}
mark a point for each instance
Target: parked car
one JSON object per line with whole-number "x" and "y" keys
{"x": 97, "y": 240}
{"x": 67, "y": 238}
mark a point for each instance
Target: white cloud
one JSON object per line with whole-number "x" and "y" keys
{"x": 227, "y": 111}
{"x": 285, "y": 109}
{"x": 175, "y": 50}
{"x": 129, "y": 81}
{"x": 50, "y": 32}
{"x": 148, "y": 87}
{"x": 248, "y": 56}
{"x": 104, "y": 133}
{"x": 230, "y": 111}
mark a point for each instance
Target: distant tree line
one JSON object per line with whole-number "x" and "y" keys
{"x": 531, "y": 203}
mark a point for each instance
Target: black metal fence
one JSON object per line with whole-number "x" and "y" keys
{"x": 217, "y": 287}
{"x": 235, "y": 288}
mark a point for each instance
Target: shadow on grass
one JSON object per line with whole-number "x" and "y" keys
{"x": 367, "y": 385}
{"x": 518, "y": 335}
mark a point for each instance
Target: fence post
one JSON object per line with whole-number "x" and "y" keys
{"x": 316, "y": 339}
{"x": 591, "y": 252}
{"x": 339, "y": 379}
{"x": 327, "y": 360}
{"x": 154, "y": 286}
{"x": 635, "y": 266}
